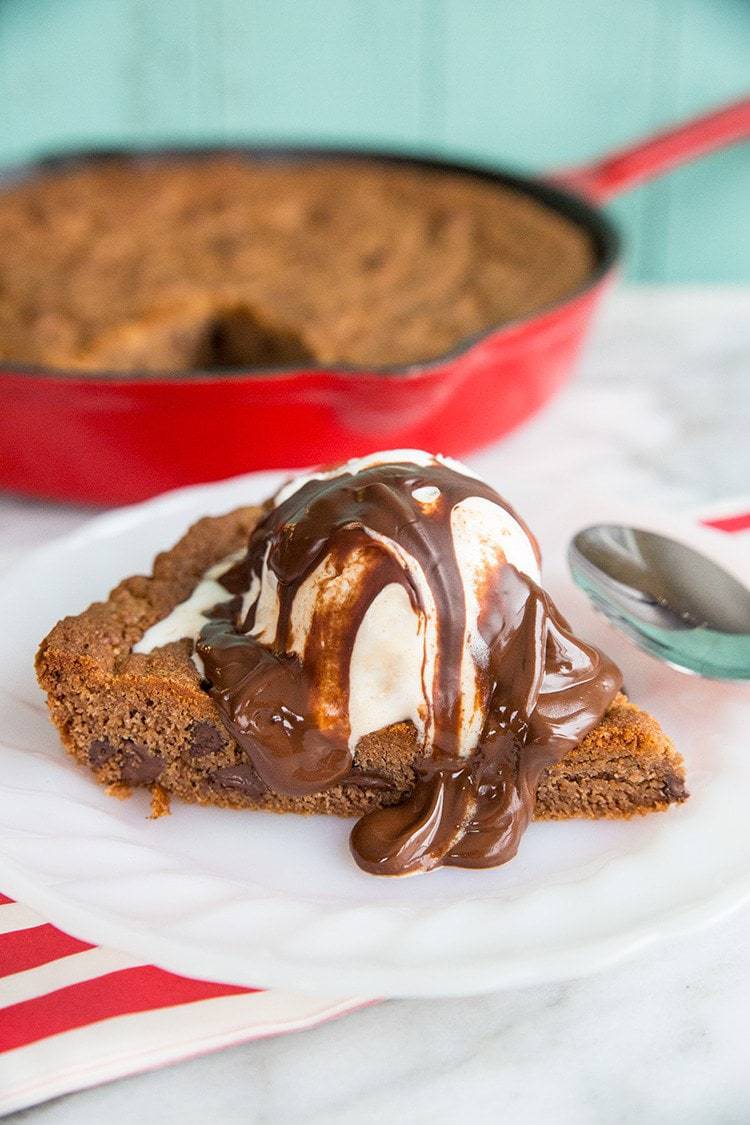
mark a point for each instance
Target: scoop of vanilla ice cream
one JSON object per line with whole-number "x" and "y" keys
{"x": 394, "y": 652}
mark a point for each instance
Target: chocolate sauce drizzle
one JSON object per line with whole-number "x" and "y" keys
{"x": 542, "y": 688}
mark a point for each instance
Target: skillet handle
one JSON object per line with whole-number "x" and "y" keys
{"x": 661, "y": 153}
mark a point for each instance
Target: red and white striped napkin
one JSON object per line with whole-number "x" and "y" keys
{"x": 73, "y": 1015}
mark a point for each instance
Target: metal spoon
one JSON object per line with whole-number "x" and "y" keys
{"x": 669, "y": 598}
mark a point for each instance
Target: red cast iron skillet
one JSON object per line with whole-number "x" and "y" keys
{"x": 111, "y": 438}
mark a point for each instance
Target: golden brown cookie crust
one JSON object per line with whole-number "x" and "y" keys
{"x": 167, "y": 265}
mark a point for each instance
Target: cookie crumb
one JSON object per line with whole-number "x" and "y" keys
{"x": 160, "y": 804}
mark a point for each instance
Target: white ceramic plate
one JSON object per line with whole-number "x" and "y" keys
{"x": 258, "y": 899}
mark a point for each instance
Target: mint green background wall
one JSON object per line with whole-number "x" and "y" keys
{"x": 532, "y": 83}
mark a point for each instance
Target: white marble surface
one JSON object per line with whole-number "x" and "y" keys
{"x": 661, "y": 408}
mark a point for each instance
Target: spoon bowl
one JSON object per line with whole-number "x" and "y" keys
{"x": 673, "y": 601}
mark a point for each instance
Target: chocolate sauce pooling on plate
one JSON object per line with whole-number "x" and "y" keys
{"x": 543, "y": 688}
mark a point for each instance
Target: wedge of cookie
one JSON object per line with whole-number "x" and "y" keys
{"x": 146, "y": 720}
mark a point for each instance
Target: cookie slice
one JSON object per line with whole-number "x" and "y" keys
{"x": 145, "y": 720}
